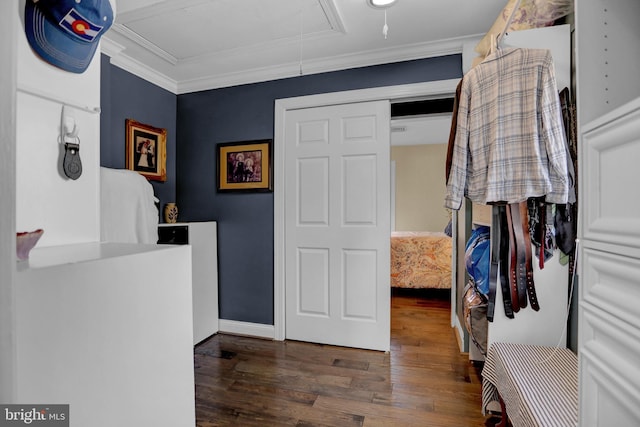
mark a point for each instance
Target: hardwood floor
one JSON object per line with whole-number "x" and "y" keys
{"x": 423, "y": 381}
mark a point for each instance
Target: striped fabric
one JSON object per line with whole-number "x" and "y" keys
{"x": 539, "y": 385}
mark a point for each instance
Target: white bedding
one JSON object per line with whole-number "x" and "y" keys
{"x": 128, "y": 211}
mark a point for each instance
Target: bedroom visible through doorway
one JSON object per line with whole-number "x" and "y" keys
{"x": 421, "y": 251}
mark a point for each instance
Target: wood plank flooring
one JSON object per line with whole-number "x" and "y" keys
{"x": 423, "y": 381}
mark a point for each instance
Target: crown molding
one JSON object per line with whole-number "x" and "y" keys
{"x": 120, "y": 59}
{"x": 144, "y": 43}
{"x": 110, "y": 48}
{"x": 323, "y": 65}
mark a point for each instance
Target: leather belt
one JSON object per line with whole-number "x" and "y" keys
{"x": 504, "y": 261}
{"x": 511, "y": 260}
{"x": 523, "y": 270}
{"x": 515, "y": 304}
{"x": 495, "y": 260}
{"x": 543, "y": 231}
{"x": 531, "y": 289}
{"x": 499, "y": 266}
{"x": 520, "y": 268}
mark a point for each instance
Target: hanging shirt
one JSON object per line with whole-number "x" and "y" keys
{"x": 510, "y": 142}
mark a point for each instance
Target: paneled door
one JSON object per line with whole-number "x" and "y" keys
{"x": 337, "y": 225}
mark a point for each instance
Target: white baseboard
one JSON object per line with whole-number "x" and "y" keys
{"x": 459, "y": 333}
{"x": 245, "y": 328}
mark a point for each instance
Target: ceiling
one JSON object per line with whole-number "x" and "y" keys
{"x": 192, "y": 45}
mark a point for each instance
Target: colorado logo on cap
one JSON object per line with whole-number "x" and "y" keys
{"x": 80, "y": 26}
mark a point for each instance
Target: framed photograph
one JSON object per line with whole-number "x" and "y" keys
{"x": 245, "y": 166}
{"x": 146, "y": 150}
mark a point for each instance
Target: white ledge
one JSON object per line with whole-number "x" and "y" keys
{"x": 51, "y": 256}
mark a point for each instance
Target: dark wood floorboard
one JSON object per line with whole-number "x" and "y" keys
{"x": 423, "y": 381}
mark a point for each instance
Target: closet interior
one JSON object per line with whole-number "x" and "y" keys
{"x": 512, "y": 167}
{"x": 600, "y": 282}
{"x": 546, "y": 326}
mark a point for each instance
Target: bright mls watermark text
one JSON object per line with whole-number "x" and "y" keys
{"x": 34, "y": 415}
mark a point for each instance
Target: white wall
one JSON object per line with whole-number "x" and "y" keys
{"x": 29, "y": 188}
{"x": 8, "y": 11}
{"x": 67, "y": 210}
{"x": 106, "y": 328}
{"x": 420, "y": 187}
{"x": 547, "y": 326}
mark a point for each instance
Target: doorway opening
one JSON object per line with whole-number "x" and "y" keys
{"x": 421, "y": 235}
{"x": 419, "y": 138}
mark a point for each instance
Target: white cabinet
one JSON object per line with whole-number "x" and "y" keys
{"x": 609, "y": 321}
{"x": 106, "y": 328}
{"x": 607, "y": 40}
{"x": 202, "y": 236}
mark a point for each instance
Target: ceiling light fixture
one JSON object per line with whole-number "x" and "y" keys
{"x": 382, "y": 4}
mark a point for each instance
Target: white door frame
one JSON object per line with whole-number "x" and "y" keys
{"x": 407, "y": 92}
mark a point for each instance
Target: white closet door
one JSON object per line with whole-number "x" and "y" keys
{"x": 337, "y": 225}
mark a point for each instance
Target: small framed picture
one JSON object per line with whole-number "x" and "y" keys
{"x": 245, "y": 166}
{"x": 146, "y": 150}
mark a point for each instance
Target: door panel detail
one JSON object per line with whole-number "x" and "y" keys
{"x": 313, "y": 191}
{"x": 359, "y": 270}
{"x": 313, "y": 281}
{"x": 360, "y": 190}
{"x": 313, "y": 132}
{"x": 357, "y": 129}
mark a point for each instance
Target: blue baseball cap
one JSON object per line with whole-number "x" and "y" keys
{"x": 65, "y": 33}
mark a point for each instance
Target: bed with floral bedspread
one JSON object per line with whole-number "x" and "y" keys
{"x": 420, "y": 259}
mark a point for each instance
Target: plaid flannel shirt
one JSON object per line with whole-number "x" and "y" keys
{"x": 510, "y": 140}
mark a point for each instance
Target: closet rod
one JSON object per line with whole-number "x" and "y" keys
{"x": 49, "y": 97}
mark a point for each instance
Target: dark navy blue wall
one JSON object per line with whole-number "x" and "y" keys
{"x": 245, "y": 221}
{"x": 126, "y": 96}
{"x": 197, "y": 122}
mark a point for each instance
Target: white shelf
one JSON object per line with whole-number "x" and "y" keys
{"x": 52, "y": 256}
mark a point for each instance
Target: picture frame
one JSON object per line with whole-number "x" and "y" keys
{"x": 245, "y": 166}
{"x": 146, "y": 150}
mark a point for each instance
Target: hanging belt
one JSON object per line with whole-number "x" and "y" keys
{"x": 495, "y": 260}
{"x": 521, "y": 257}
{"x": 513, "y": 262}
{"x": 531, "y": 290}
{"x": 523, "y": 270}
{"x": 499, "y": 262}
{"x": 543, "y": 233}
{"x": 504, "y": 261}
